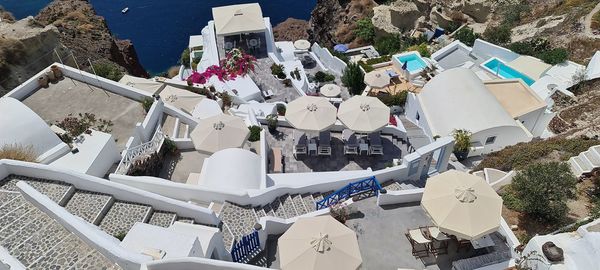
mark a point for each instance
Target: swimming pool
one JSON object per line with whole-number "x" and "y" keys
{"x": 414, "y": 62}
{"x": 500, "y": 69}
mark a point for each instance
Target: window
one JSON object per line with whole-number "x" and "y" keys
{"x": 418, "y": 116}
{"x": 490, "y": 140}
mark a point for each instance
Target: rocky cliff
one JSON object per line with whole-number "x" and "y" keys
{"x": 87, "y": 35}
{"x": 291, "y": 30}
{"x": 333, "y": 21}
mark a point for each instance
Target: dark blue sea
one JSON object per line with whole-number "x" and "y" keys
{"x": 160, "y": 29}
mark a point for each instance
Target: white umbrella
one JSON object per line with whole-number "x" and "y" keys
{"x": 302, "y": 44}
{"x": 462, "y": 204}
{"x": 319, "y": 243}
{"x": 330, "y": 90}
{"x": 364, "y": 114}
{"x": 377, "y": 79}
{"x": 206, "y": 108}
{"x": 311, "y": 113}
{"x": 219, "y": 132}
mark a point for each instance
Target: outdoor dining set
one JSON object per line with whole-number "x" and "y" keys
{"x": 321, "y": 145}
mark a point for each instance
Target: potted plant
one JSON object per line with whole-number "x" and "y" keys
{"x": 272, "y": 122}
{"x": 277, "y": 71}
{"x": 281, "y": 109}
{"x": 462, "y": 143}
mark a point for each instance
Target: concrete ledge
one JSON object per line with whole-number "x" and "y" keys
{"x": 197, "y": 263}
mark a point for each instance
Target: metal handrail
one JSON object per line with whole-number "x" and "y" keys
{"x": 369, "y": 184}
{"x": 135, "y": 152}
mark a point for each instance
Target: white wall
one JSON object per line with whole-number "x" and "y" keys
{"x": 332, "y": 63}
{"x": 413, "y": 106}
{"x": 485, "y": 49}
{"x": 197, "y": 263}
{"x": 505, "y": 136}
{"x": 118, "y": 191}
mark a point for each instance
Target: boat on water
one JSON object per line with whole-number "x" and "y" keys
{"x": 125, "y": 10}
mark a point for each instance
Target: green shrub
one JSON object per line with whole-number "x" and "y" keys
{"x": 499, "y": 35}
{"x": 353, "y": 78}
{"x": 542, "y": 49}
{"x": 378, "y": 60}
{"x": 543, "y": 190}
{"x": 520, "y": 155}
{"x": 365, "y": 66}
{"x": 169, "y": 146}
{"x": 147, "y": 103}
{"x": 321, "y": 76}
{"x": 365, "y": 29}
{"x": 398, "y": 99}
{"x": 281, "y": 109}
{"x": 466, "y": 36}
{"x": 389, "y": 44}
{"x": 554, "y": 56}
{"x": 277, "y": 71}
{"x": 513, "y": 13}
{"x": 254, "y": 133}
{"x": 120, "y": 235}
{"x": 226, "y": 98}
{"x": 185, "y": 58}
{"x": 108, "y": 70}
{"x": 75, "y": 126}
{"x": 342, "y": 56}
{"x": 462, "y": 140}
{"x": 421, "y": 48}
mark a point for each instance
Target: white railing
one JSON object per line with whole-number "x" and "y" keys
{"x": 133, "y": 153}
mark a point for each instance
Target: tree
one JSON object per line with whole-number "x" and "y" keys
{"x": 108, "y": 70}
{"x": 498, "y": 35}
{"x": 185, "y": 58}
{"x": 543, "y": 190}
{"x": 554, "y": 56}
{"x": 466, "y": 36}
{"x": 365, "y": 29}
{"x": 353, "y": 78}
{"x": 388, "y": 44}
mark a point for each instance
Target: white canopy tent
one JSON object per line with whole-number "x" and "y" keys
{"x": 238, "y": 19}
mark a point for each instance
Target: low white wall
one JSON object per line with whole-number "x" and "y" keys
{"x": 495, "y": 182}
{"x": 485, "y": 49}
{"x": 197, "y": 263}
{"x": 153, "y": 118}
{"x": 265, "y": 152}
{"x": 331, "y": 62}
{"x": 274, "y": 225}
{"x": 118, "y": 191}
{"x": 91, "y": 235}
{"x": 400, "y": 196}
{"x": 511, "y": 239}
{"x": 8, "y": 260}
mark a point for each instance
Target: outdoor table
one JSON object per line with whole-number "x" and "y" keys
{"x": 363, "y": 146}
{"x": 312, "y": 146}
{"x": 483, "y": 242}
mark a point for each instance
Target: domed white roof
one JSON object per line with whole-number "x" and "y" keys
{"x": 21, "y": 126}
{"x": 232, "y": 168}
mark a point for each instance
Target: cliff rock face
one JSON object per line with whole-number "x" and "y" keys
{"x": 291, "y": 30}
{"x": 6, "y": 16}
{"x": 88, "y": 36}
{"x": 334, "y": 21}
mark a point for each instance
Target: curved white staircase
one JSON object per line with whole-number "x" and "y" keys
{"x": 586, "y": 161}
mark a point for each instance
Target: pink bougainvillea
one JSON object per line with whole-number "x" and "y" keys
{"x": 236, "y": 63}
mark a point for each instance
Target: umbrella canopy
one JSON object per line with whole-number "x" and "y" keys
{"x": 364, "y": 114}
{"x": 237, "y": 19}
{"x": 319, "y": 243}
{"x": 206, "y": 108}
{"x": 330, "y": 90}
{"x": 462, "y": 204}
{"x": 377, "y": 79}
{"x": 219, "y": 132}
{"x": 311, "y": 113}
{"x": 340, "y": 48}
{"x": 302, "y": 44}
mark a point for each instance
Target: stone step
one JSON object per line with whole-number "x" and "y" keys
{"x": 11, "y": 205}
{"x": 122, "y": 216}
{"x": 318, "y": 197}
{"x": 14, "y": 238}
{"x": 278, "y": 209}
{"x": 63, "y": 256}
{"x": 584, "y": 165}
{"x": 91, "y": 206}
{"x": 269, "y": 211}
{"x": 162, "y": 218}
{"x": 94, "y": 260}
{"x": 185, "y": 220}
{"x": 6, "y": 196}
{"x": 299, "y": 205}
{"x": 168, "y": 124}
{"x": 585, "y": 161}
{"x": 593, "y": 157}
{"x": 575, "y": 169}
{"x": 16, "y": 213}
{"x": 228, "y": 238}
{"x": 45, "y": 239}
{"x": 260, "y": 212}
{"x": 391, "y": 185}
{"x": 309, "y": 202}
{"x": 19, "y": 223}
{"x": 56, "y": 191}
{"x": 239, "y": 219}
{"x": 288, "y": 206}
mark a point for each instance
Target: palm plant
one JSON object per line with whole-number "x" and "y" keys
{"x": 462, "y": 143}
{"x": 353, "y": 78}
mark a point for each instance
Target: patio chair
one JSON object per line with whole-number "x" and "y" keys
{"x": 375, "y": 148}
{"x": 350, "y": 142}
{"x": 324, "y": 148}
{"x": 439, "y": 240}
{"x": 420, "y": 244}
{"x": 300, "y": 143}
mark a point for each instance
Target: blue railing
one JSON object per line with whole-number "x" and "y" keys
{"x": 249, "y": 244}
{"x": 369, "y": 184}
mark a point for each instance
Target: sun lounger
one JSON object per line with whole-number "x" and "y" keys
{"x": 277, "y": 160}
{"x": 300, "y": 143}
{"x": 375, "y": 148}
{"x": 350, "y": 142}
{"x": 420, "y": 244}
{"x": 324, "y": 148}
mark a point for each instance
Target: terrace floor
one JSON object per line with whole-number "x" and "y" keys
{"x": 283, "y": 139}
{"x": 457, "y": 58}
{"x": 69, "y": 96}
{"x": 312, "y": 69}
{"x": 265, "y": 81}
{"x": 178, "y": 167}
{"x": 383, "y": 246}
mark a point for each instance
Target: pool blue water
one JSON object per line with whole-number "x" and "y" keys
{"x": 506, "y": 72}
{"x": 413, "y": 62}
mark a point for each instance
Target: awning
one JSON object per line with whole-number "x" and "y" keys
{"x": 238, "y": 19}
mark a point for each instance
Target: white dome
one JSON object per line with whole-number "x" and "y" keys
{"x": 232, "y": 168}
{"x": 21, "y": 126}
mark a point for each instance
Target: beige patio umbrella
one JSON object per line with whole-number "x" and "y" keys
{"x": 364, "y": 114}
{"x": 219, "y": 132}
{"x": 318, "y": 243}
{"x": 302, "y": 44}
{"x": 462, "y": 204}
{"x": 330, "y": 90}
{"x": 311, "y": 113}
{"x": 377, "y": 79}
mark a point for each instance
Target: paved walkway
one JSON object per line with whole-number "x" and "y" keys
{"x": 265, "y": 81}
{"x": 587, "y": 22}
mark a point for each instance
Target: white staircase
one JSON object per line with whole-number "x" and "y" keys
{"x": 586, "y": 161}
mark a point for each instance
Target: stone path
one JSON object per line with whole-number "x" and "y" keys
{"x": 587, "y": 22}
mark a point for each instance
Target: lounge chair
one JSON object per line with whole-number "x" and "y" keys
{"x": 375, "y": 146}
{"x": 420, "y": 244}
{"x": 350, "y": 142}
{"x": 324, "y": 148}
{"x": 300, "y": 143}
{"x": 439, "y": 240}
